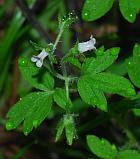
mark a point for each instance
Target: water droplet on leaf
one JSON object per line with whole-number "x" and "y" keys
{"x": 86, "y": 14}
{"x": 22, "y": 62}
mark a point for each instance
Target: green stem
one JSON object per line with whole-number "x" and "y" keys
{"x": 67, "y": 88}
{"x": 59, "y": 36}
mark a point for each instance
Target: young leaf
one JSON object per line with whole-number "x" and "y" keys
{"x": 129, "y": 9}
{"x": 60, "y": 128}
{"x": 32, "y": 74}
{"x": 128, "y": 154}
{"x": 69, "y": 128}
{"x": 111, "y": 83}
{"x": 73, "y": 61}
{"x": 101, "y": 147}
{"x": 60, "y": 98}
{"x": 101, "y": 62}
{"x": 91, "y": 94}
{"x": 133, "y": 66}
{"x": 66, "y": 21}
{"x": 31, "y": 109}
{"x": 74, "y": 50}
{"x": 94, "y": 9}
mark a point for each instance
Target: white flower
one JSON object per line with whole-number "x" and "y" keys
{"x": 39, "y": 58}
{"x": 87, "y": 46}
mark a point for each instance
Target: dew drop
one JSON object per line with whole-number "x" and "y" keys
{"x": 63, "y": 19}
{"x": 129, "y": 63}
{"x": 131, "y": 15}
{"x": 9, "y": 125}
{"x": 20, "y": 98}
{"x": 22, "y": 62}
{"x": 86, "y": 14}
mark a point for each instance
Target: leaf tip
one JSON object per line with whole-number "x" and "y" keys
{"x": 9, "y": 126}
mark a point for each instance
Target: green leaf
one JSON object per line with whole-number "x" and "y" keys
{"x": 60, "y": 128}
{"x": 61, "y": 99}
{"x": 69, "y": 128}
{"x": 91, "y": 94}
{"x": 101, "y": 62}
{"x": 133, "y": 66}
{"x": 111, "y": 83}
{"x": 35, "y": 76}
{"x": 134, "y": 70}
{"x": 129, "y": 9}
{"x": 101, "y": 147}
{"x": 94, "y": 9}
{"x": 136, "y": 112}
{"x": 136, "y": 50}
{"x": 73, "y": 61}
{"x": 119, "y": 68}
{"x": 128, "y": 154}
{"x": 74, "y": 50}
{"x": 31, "y": 109}
{"x": 91, "y": 88}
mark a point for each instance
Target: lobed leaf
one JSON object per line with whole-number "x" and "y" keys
{"x": 111, "y": 83}
{"x": 31, "y": 110}
{"x": 101, "y": 62}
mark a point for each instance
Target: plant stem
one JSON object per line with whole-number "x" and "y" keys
{"x": 59, "y": 36}
{"x": 67, "y": 88}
